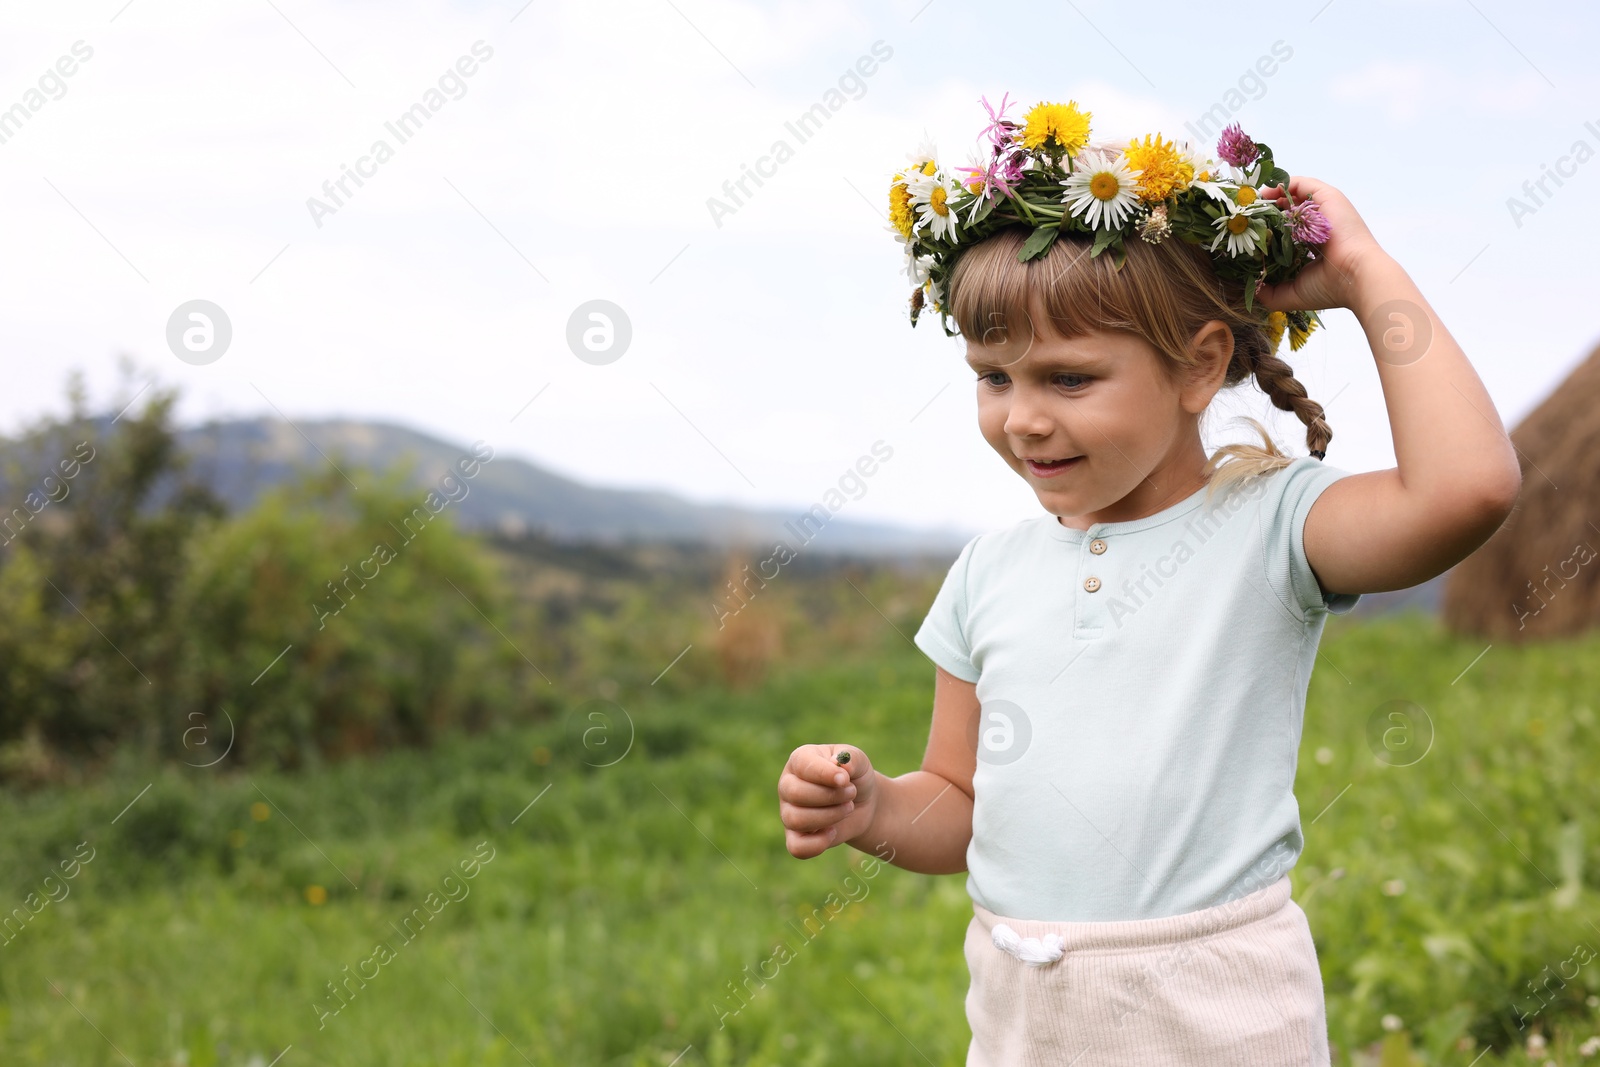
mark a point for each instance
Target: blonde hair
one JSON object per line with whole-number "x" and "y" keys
{"x": 1163, "y": 293}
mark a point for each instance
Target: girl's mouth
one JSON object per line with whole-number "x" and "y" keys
{"x": 1049, "y": 470}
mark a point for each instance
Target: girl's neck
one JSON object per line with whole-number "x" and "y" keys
{"x": 1165, "y": 489}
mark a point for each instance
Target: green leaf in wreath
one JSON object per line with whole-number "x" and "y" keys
{"x": 1104, "y": 239}
{"x": 1038, "y": 242}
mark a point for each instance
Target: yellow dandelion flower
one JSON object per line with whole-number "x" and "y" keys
{"x": 1277, "y": 322}
{"x": 1062, "y": 123}
{"x": 260, "y": 812}
{"x": 316, "y": 895}
{"x": 900, "y": 207}
{"x": 1163, "y": 170}
{"x": 1298, "y": 335}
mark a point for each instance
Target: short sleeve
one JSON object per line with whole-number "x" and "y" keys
{"x": 1305, "y": 480}
{"x": 943, "y": 634}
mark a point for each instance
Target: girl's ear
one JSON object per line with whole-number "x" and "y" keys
{"x": 1211, "y": 349}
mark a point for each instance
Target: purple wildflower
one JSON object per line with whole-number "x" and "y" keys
{"x": 999, "y": 130}
{"x": 1011, "y": 167}
{"x": 1236, "y": 147}
{"x": 1308, "y": 225}
{"x": 1003, "y": 173}
{"x": 991, "y": 176}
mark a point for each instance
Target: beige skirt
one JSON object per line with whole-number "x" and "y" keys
{"x": 1236, "y": 984}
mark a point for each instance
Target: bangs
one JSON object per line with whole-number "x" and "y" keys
{"x": 1067, "y": 293}
{"x": 1064, "y": 293}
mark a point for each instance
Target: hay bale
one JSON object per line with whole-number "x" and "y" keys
{"x": 1539, "y": 575}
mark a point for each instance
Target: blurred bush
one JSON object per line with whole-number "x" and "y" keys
{"x": 137, "y": 618}
{"x": 140, "y": 620}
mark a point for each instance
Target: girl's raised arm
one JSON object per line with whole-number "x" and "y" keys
{"x": 1456, "y": 476}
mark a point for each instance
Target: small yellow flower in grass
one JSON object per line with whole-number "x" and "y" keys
{"x": 316, "y": 895}
{"x": 260, "y": 812}
{"x": 541, "y": 755}
{"x": 1163, "y": 170}
{"x": 1063, "y": 124}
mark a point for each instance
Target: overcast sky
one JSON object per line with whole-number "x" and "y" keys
{"x": 769, "y": 347}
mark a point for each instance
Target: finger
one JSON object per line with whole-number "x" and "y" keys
{"x": 1307, "y": 188}
{"x": 805, "y": 846}
{"x": 813, "y": 763}
{"x": 812, "y": 820}
{"x": 829, "y": 771}
{"x": 797, "y": 790}
{"x": 858, "y": 766}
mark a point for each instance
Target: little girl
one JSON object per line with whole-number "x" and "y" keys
{"x": 1120, "y": 681}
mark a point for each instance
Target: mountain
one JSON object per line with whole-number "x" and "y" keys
{"x": 511, "y": 496}
{"x": 241, "y": 458}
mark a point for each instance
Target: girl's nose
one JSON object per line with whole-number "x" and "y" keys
{"x": 1027, "y": 416}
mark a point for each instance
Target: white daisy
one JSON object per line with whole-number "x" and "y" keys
{"x": 1101, "y": 189}
{"x": 925, "y": 152}
{"x": 1208, "y": 175}
{"x": 1250, "y": 175}
{"x": 973, "y": 173}
{"x": 905, "y": 243}
{"x": 917, "y": 268}
{"x": 933, "y": 201}
{"x": 1239, "y": 226}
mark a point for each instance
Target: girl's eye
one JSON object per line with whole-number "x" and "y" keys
{"x": 1072, "y": 381}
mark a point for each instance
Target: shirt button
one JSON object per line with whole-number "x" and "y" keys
{"x": 1091, "y": 584}
{"x": 1097, "y": 546}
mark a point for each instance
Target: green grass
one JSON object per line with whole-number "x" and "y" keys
{"x": 619, "y": 907}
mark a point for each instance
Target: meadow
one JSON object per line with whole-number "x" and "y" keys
{"x": 630, "y": 900}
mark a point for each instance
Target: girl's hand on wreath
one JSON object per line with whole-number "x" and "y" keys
{"x": 1330, "y": 280}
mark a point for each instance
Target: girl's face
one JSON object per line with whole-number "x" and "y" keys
{"x": 1104, "y": 403}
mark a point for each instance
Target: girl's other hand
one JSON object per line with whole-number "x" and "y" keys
{"x": 1329, "y": 281}
{"x": 823, "y": 803}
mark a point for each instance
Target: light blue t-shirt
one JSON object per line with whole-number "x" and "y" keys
{"x": 1143, "y": 686}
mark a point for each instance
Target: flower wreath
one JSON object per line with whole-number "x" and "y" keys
{"x": 1043, "y": 172}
